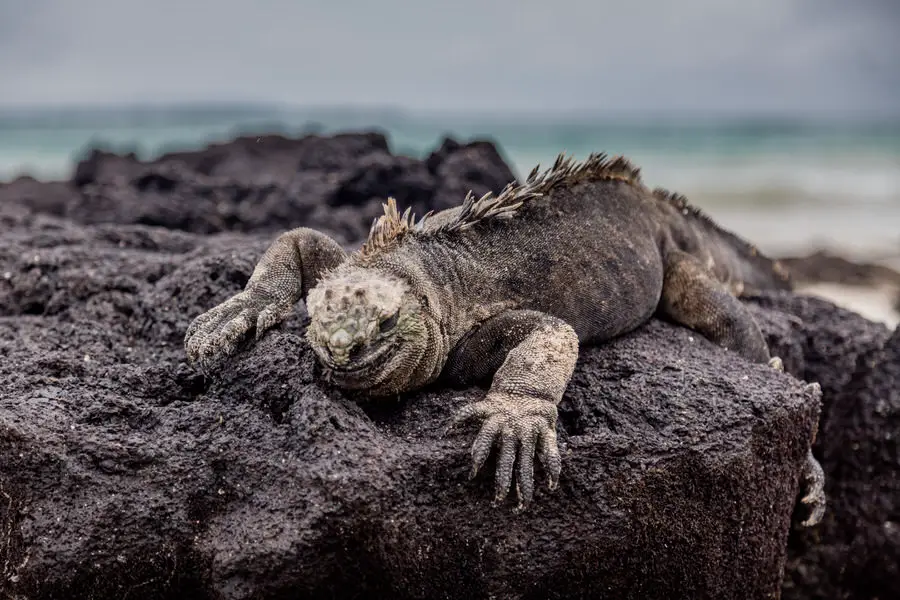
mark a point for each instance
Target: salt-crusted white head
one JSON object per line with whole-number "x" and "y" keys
{"x": 368, "y": 329}
{"x": 351, "y": 310}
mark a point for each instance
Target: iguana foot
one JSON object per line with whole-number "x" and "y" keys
{"x": 813, "y": 478}
{"x": 813, "y": 486}
{"x": 521, "y": 425}
{"x": 217, "y": 333}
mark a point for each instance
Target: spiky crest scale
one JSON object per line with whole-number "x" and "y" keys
{"x": 391, "y": 227}
{"x": 566, "y": 171}
{"x": 680, "y": 203}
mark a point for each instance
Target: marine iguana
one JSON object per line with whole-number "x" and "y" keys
{"x": 507, "y": 286}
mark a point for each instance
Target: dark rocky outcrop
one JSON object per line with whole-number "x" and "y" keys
{"x": 129, "y": 473}
{"x": 267, "y": 184}
{"x": 823, "y": 266}
{"x": 855, "y": 551}
{"x": 123, "y": 473}
{"x": 826, "y": 266}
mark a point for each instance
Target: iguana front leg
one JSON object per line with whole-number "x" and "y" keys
{"x": 692, "y": 297}
{"x": 288, "y": 269}
{"x": 519, "y": 412}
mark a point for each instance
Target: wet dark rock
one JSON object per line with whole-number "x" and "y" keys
{"x": 477, "y": 166}
{"x": 103, "y": 165}
{"x": 824, "y": 266}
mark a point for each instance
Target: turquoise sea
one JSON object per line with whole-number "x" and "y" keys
{"x": 785, "y": 182}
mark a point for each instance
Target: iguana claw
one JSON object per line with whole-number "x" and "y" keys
{"x": 217, "y": 333}
{"x": 813, "y": 486}
{"x": 520, "y": 425}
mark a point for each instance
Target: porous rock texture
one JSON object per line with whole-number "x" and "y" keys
{"x": 855, "y": 551}
{"x": 125, "y": 474}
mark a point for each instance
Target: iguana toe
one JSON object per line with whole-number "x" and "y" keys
{"x": 549, "y": 455}
{"x": 813, "y": 491}
{"x": 218, "y": 332}
{"x": 201, "y": 339}
{"x": 521, "y": 427}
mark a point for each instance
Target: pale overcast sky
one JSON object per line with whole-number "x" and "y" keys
{"x": 733, "y": 55}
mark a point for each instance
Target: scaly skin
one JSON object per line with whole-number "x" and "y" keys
{"x": 507, "y": 287}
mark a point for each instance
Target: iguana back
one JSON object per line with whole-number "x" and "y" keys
{"x": 585, "y": 242}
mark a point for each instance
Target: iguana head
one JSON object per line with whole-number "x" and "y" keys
{"x": 370, "y": 330}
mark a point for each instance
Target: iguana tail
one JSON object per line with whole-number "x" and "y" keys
{"x": 756, "y": 271}
{"x": 738, "y": 262}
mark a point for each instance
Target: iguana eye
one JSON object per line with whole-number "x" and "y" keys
{"x": 389, "y": 323}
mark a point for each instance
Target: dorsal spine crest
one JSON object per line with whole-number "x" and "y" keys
{"x": 565, "y": 172}
{"x": 388, "y": 229}
{"x": 391, "y": 227}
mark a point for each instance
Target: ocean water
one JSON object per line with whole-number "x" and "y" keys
{"x": 786, "y": 184}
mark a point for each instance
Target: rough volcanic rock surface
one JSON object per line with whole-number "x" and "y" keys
{"x": 855, "y": 551}
{"x": 129, "y": 473}
{"x": 123, "y": 473}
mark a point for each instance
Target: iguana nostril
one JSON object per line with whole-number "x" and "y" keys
{"x": 355, "y": 352}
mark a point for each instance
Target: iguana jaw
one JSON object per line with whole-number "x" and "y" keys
{"x": 385, "y": 366}
{"x": 360, "y": 358}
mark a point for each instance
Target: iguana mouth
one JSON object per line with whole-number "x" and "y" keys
{"x": 368, "y": 359}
